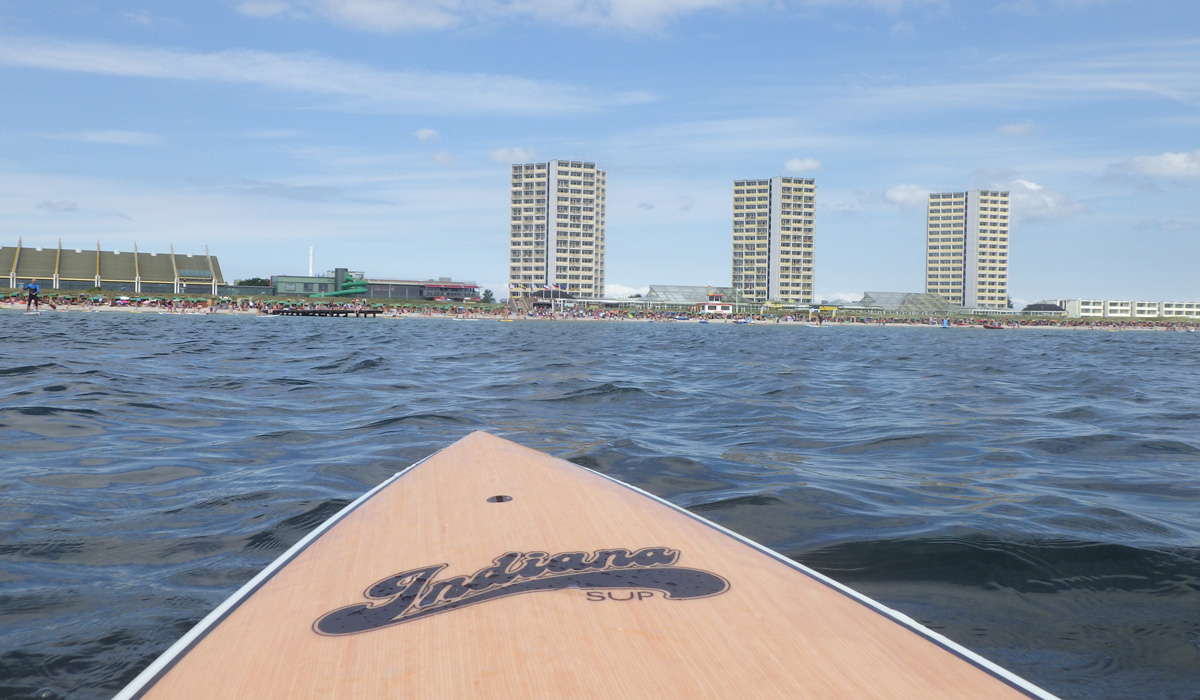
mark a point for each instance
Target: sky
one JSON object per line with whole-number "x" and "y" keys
{"x": 381, "y": 132}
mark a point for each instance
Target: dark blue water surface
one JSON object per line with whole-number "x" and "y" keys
{"x": 1034, "y": 494}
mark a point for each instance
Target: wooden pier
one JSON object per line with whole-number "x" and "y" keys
{"x": 357, "y": 313}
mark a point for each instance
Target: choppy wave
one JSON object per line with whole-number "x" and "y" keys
{"x": 1026, "y": 494}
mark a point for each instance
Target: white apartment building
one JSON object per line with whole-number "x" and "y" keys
{"x": 1110, "y": 308}
{"x": 1147, "y": 309}
{"x": 556, "y": 232}
{"x": 1117, "y": 308}
{"x": 966, "y": 248}
{"x": 1184, "y": 309}
{"x": 773, "y": 251}
{"x": 1083, "y": 308}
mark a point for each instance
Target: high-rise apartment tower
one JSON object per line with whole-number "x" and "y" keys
{"x": 773, "y": 239}
{"x": 966, "y": 246}
{"x": 556, "y": 235}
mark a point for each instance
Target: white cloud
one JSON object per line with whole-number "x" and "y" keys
{"x": 885, "y": 5}
{"x": 357, "y": 87}
{"x": 275, "y": 190}
{"x": 143, "y": 18}
{"x": 635, "y": 15}
{"x": 1029, "y": 201}
{"x": 397, "y": 15}
{"x": 1169, "y": 226}
{"x": 1165, "y": 70}
{"x": 118, "y": 138}
{"x": 907, "y": 196}
{"x": 60, "y": 206}
{"x": 841, "y": 296}
{"x": 1033, "y": 7}
{"x": 427, "y": 135}
{"x": 443, "y": 158}
{"x": 802, "y": 165}
{"x": 1171, "y": 165}
{"x": 263, "y": 8}
{"x": 394, "y": 16}
{"x": 390, "y": 16}
{"x": 706, "y": 139}
{"x": 1025, "y": 128}
{"x": 513, "y": 155}
{"x": 620, "y": 291}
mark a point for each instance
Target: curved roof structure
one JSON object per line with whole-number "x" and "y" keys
{"x": 98, "y": 267}
{"x": 915, "y": 303}
{"x": 685, "y": 295}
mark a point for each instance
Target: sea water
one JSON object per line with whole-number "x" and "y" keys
{"x": 1033, "y": 494}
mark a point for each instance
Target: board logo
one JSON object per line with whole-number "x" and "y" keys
{"x": 417, "y": 593}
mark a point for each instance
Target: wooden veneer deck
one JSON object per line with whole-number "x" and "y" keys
{"x": 776, "y": 631}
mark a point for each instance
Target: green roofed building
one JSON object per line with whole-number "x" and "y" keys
{"x": 132, "y": 271}
{"x": 673, "y": 297}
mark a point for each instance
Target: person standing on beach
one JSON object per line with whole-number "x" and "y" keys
{"x": 32, "y": 300}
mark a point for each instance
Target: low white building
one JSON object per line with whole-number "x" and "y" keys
{"x": 1186, "y": 309}
{"x": 715, "y": 307}
{"x": 1116, "y": 308}
{"x": 1147, "y": 309}
{"x": 1083, "y": 308}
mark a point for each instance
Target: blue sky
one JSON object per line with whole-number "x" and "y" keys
{"x": 381, "y": 131}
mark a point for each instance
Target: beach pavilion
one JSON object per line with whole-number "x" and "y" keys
{"x": 905, "y": 304}
{"x": 133, "y": 271}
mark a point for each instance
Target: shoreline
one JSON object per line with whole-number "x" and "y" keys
{"x": 1075, "y": 325}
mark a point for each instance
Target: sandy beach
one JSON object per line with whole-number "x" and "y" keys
{"x": 643, "y": 317}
